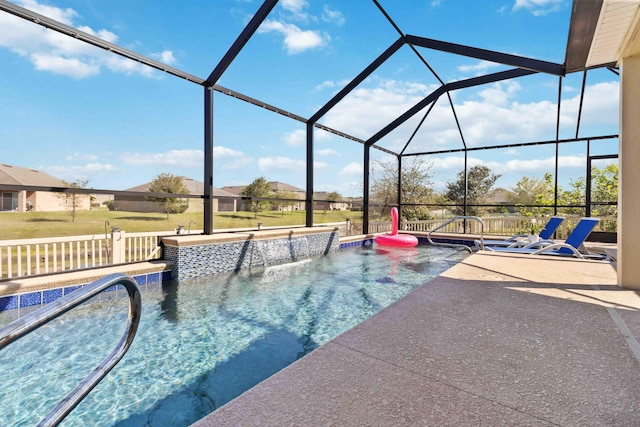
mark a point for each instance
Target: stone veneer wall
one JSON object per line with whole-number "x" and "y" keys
{"x": 240, "y": 251}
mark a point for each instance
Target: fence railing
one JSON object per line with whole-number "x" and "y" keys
{"x": 28, "y": 257}
{"x": 505, "y": 226}
{"x": 500, "y": 226}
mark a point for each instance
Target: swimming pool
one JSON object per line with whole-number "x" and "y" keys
{"x": 205, "y": 341}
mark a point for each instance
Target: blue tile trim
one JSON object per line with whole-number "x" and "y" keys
{"x": 51, "y": 295}
{"x": 32, "y": 298}
{"x": 365, "y": 242}
{"x": 70, "y": 289}
{"x": 13, "y": 302}
{"x": 9, "y": 303}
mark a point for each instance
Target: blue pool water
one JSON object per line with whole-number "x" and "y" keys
{"x": 205, "y": 341}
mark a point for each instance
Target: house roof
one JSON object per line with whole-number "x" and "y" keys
{"x": 498, "y": 196}
{"x": 281, "y": 186}
{"x": 16, "y": 175}
{"x": 275, "y": 186}
{"x": 600, "y": 32}
{"x": 193, "y": 186}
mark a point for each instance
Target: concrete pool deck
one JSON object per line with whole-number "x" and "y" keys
{"x": 498, "y": 339}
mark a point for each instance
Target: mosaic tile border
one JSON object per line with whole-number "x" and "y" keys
{"x": 38, "y": 298}
{"x": 357, "y": 243}
{"x": 204, "y": 259}
{"x": 226, "y": 258}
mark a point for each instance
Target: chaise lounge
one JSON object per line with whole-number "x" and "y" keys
{"x": 572, "y": 246}
{"x": 521, "y": 240}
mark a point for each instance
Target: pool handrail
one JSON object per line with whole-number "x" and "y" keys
{"x": 457, "y": 245}
{"x": 26, "y": 324}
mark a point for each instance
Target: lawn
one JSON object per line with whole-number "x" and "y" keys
{"x": 27, "y": 225}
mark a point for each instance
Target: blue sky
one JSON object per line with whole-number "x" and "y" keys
{"x": 77, "y": 112}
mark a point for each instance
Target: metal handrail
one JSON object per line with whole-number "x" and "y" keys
{"x": 457, "y": 245}
{"x": 23, "y": 326}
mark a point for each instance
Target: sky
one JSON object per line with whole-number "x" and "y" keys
{"x": 80, "y": 113}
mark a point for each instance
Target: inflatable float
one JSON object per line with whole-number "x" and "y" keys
{"x": 394, "y": 239}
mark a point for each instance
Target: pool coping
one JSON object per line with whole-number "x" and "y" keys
{"x": 498, "y": 339}
{"x": 37, "y": 290}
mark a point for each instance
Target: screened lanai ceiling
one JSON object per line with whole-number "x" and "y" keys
{"x": 404, "y": 43}
{"x": 407, "y": 87}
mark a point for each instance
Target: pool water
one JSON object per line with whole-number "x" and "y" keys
{"x": 204, "y": 341}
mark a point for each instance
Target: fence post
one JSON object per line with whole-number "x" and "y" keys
{"x": 117, "y": 246}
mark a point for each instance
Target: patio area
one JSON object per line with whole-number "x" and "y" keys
{"x": 496, "y": 340}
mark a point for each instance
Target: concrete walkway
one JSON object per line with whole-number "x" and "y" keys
{"x": 497, "y": 340}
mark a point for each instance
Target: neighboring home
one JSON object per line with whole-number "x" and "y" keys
{"x": 321, "y": 203}
{"x": 500, "y": 196}
{"x": 300, "y": 194}
{"x": 223, "y": 201}
{"x": 101, "y": 199}
{"x": 45, "y": 201}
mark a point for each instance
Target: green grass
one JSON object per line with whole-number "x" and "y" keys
{"x": 27, "y": 225}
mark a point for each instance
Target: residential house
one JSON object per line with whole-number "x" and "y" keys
{"x": 299, "y": 194}
{"x": 36, "y": 200}
{"x": 321, "y": 202}
{"x": 500, "y": 196}
{"x": 223, "y": 201}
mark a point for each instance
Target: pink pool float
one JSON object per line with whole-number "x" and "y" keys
{"x": 394, "y": 239}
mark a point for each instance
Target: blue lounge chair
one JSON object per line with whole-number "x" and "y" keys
{"x": 570, "y": 247}
{"x": 519, "y": 240}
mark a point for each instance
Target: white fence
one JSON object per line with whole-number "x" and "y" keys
{"x": 505, "y": 226}
{"x": 28, "y": 257}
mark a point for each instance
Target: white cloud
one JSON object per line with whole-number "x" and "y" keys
{"x": 479, "y": 68}
{"x": 297, "y": 138}
{"x": 79, "y": 172}
{"x": 99, "y": 167}
{"x": 224, "y": 158}
{"x": 333, "y": 16}
{"x": 367, "y": 110}
{"x": 456, "y": 163}
{"x": 75, "y": 156}
{"x": 330, "y": 84}
{"x": 173, "y": 158}
{"x": 494, "y": 115}
{"x": 324, "y": 85}
{"x": 166, "y": 57}
{"x": 352, "y": 169}
{"x": 296, "y": 40}
{"x": 236, "y": 164}
{"x": 294, "y": 6}
{"x": 221, "y": 152}
{"x": 327, "y": 152}
{"x": 538, "y": 7}
{"x": 230, "y": 159}
{"x": 51, "y": 51}
{"x": 601, "y": 105}
{"x": 285, "y": 164}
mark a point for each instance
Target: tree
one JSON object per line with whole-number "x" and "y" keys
{"x": 168, "y": 183}
{"x": 416, "y": 186}
{"x": 479, "y": 182}
{"x": 282, "y": 205}
{"x": 259, "y": 188}
{"x": 533, "y": 191}
{"x": 74, "y": 200}
{"x": 574, "y": 196}
{"x": 604, "y": 188}
{"x": 332, "y": 198}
